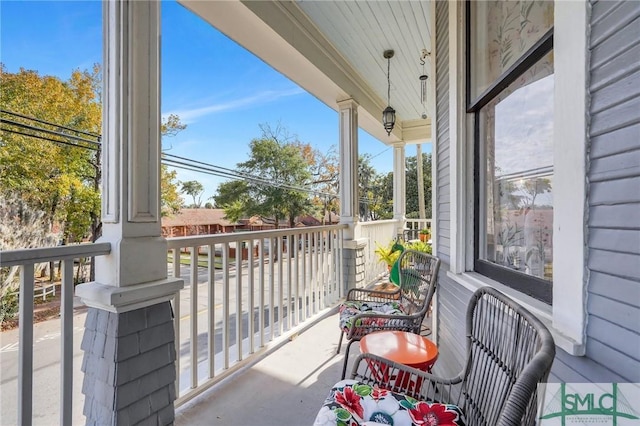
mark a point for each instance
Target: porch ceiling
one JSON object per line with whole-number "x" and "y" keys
{"x": 333, "y": 49}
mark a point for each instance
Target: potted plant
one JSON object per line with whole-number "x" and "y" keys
{"x": 424, "y": 235}
{"x": 387, "y": 254}
{"x": 419, "y": 246}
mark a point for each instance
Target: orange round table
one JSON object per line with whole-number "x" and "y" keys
{"x": 402, "y": 347}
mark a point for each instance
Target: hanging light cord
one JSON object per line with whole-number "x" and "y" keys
{"x": 388, "y": 81}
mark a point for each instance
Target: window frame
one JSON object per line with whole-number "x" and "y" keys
{"x": 532, "y": 286}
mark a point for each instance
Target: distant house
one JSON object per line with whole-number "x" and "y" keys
{"x": 307, "y": 220}
{"x": 198, "y": 222}
{"x": 212, "y": 221}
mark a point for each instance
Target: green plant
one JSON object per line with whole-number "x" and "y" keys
{"x": 8, "y": 306}
{"x": 425, "y": 232}
{"x": 422, "y": 246}
{"x": 387, "y": 254}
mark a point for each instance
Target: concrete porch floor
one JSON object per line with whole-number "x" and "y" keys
{"x": 287, "y": 387}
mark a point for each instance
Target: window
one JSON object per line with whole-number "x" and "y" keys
{"x": 510, "y": 94}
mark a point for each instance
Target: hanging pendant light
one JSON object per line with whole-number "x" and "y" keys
{"x": 389, "y": 114}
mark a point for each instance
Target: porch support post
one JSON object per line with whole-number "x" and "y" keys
{"x": 348, "y": 110}
{"x": 399, "y": 185}
{"x": 353, "y": 253}
{"x": 128, "y": 344}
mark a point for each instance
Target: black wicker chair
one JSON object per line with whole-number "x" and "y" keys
{"x": 366, "y": 310}
{"x": 509, "y": 352}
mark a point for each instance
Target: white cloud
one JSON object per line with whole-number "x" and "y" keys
{"x": 191, "y": 115}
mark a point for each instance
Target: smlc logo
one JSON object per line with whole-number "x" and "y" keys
{"x": 590, "y": 404}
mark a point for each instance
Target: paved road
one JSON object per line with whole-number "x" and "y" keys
{"x": 46, "y": 362}
{"x": 47, "y": 350}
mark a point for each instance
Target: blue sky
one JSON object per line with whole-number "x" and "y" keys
{"x": 220, "y": 90}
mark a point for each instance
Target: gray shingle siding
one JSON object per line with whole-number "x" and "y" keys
{"x": 613, "y": 227}
{"x": 442, "y": 130}
{"x": 451, "y": 297}
{"x": 452, "y": 307}
{"x": 129, "y": 366}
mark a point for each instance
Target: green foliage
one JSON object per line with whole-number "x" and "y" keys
{"x": 21, "y": 226}
{"x": 387, "y": 254}
{"x": 422, "y": 246}
{"x": 171, "y": 125}
{"x": 326, "y": 180}
{"x": 412, "y": 207}
{"x": 272, "y": 160}
{"x": 59, "y": 180}
{"x": 171, "y": 202}
{"x": 9, "y": 306}
{"x": 195, "y": 190}
{"x": 52, "y": 178}
{"x": 376, "y": 191}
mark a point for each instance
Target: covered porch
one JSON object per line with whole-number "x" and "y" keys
{"x": 155, "y": 353}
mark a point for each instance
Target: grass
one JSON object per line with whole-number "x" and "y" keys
{"x": 185, "y": 259}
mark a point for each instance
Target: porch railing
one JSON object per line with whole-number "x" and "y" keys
{"x": 413, "y": 226}
{"x": 247, "y": 291}
{"x": 380, "y": 232}
{"x": 26, "y": 260}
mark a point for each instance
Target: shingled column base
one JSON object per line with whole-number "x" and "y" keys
{"x": 129, "y": 366}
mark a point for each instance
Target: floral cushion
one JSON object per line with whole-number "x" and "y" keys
{"x": 351, "y": 403}
{"x": 350, "y": 309}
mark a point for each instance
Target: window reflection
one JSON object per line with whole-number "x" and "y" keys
{"x": 517, "y": 128}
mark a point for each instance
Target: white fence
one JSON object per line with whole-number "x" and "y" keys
{"x": 413, "y": 227}
{"x": 26, "y": 260}
{"x": 378, "y": 232}
{"x": 248, "y": 290}
{"x": 244, "y": 293}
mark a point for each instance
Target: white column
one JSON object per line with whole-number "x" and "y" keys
{"x": 134, "y": 275}
{"x": 399, "y": 185}
{"x": 348, "y": 110}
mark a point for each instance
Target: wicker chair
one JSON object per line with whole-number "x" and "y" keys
{"x": 367, "y": 310}
{"x": 509, "y": 352}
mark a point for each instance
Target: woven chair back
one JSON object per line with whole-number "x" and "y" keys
{"x": 509, "y": 352}
{"x": 418, "y": 279}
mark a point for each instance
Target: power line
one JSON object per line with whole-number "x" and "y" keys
{"x": 48, "y": 139}
{"x": 51, "y": 132}
{"x": 15, "y": 114}
{"x": 171, "y": 160}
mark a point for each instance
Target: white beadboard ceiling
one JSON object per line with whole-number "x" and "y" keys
{"x": 362, "y": 30}
{"x": 334, "y": 50}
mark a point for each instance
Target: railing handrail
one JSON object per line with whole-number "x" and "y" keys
{"x": 377, "y": 222}
{"x": 52, "y": 254}
{"x": 203, "y": 240}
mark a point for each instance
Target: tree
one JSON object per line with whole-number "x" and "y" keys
{"x": 326, "y": 180}
{"x": 375, "y": 191}
{"x": 412, "y": 207}
{"x": 21, "y": 227}
{"x": 277, "y": 167}
{"x": 50, "y": 148}
{"x": 380, "y": 197}
{"x": 170, "y": 200}
{"x": 49, "y": 167}
{"x": 195, "y": 190}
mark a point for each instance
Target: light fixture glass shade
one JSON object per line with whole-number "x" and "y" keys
{"x": 389, "y": 119}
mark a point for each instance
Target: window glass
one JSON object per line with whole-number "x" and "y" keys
{"x": 501, "y": 32}
{"x": 516, "y": 134}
